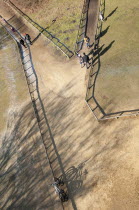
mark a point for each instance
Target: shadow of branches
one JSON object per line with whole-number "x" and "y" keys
{"x": 24, "y": 183}
{"x": 84, "y": 146}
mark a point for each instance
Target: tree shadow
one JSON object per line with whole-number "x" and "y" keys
{"x": 21, "y": 164}
{"x": 60, "y": 110}
{"x": 50, "y": 149}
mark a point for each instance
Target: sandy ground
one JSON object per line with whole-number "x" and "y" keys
{"x": 23, "y": 161}
{"x": 99, "y": 160}
{"x": 11, "y": 78}
{"x": 24, "y": 166}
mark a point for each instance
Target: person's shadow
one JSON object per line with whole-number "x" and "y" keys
{"x": 110, "y": 14}
{"x": 102, "y": 33}
{"x": 101, "y": 52}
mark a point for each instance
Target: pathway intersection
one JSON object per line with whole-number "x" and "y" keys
{"x": 96, "y": 160}
{"x": 22, "y": 27}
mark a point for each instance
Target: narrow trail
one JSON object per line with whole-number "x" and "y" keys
{"x": 92, "y": 20}
{"x": 91, "y": 28}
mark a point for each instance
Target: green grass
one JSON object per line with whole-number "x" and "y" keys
{"x": 67, "y": 14}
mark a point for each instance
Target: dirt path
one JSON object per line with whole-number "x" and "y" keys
{"x": 90, "y": 32}
{"x": 91, "y": 23}
{"x": 99, "y": 160}
{"x": 92, "y": 19}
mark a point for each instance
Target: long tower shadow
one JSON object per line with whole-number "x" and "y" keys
{"x": 52, "y": 153}
{"x": 23, "y": 183}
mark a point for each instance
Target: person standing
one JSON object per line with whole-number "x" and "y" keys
{"x": 13, "y": 29}
{"x": 80, "y": 59}
{"x": 28, "y": 39}
{"x": 22, "y": 43}
{"x": 87, "y": 41}
{"x": 86, "y": 60}
{"x": 101, "y": 18}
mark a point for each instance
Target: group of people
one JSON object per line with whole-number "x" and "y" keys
{"x": 26, "y": 37}
{"x": 28, "y": 40}
{"x": 84, "y": 60}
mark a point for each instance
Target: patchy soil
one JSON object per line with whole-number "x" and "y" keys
{"x": 117, "y": 86}
{"x": 12, "y": 81}
{"x": 65, "y": 13}
{"x": 25, "y": 172}
{"x": 99, "y": 160}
